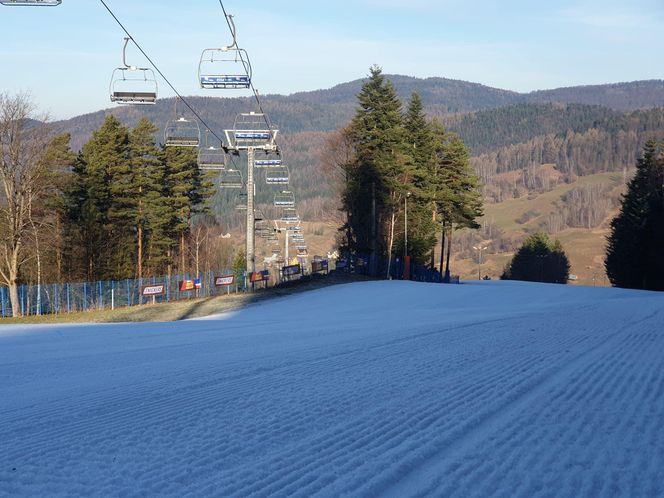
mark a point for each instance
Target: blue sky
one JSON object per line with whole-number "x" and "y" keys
{"x": 65, "y": 55}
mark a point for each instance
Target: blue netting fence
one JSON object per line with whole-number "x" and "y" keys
{"x": 109, "y": 294}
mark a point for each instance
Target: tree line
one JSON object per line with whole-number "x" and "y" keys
{"x": 121, "y": 208}
{"x": 401, "y": 179}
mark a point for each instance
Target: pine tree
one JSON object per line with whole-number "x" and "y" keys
{"x": 634, "y": 256}
{"x": 101, "y": 201}
{"x": 186, "y": 192}
{"x": 539, "y": 260}
{"x": 458, "y": 198}
{"x": 151, "y": 211}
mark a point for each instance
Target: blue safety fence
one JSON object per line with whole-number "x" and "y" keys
{"x": 108, "y": 294}
{"x": 361, "y": 263}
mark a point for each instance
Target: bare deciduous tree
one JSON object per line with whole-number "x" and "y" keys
{"x": 23, "y": 173}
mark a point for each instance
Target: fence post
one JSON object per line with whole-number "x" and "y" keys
{"x": 2, "y": 301}
{"x": 68, "y": 299}
{"x": 128, "y": 293}
{"x": 22, "y": 300}
{"x": 85, "y": 296}
{"x": 101, "y": 296}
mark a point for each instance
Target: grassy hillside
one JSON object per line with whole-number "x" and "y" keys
{"x": 585, "y": 247}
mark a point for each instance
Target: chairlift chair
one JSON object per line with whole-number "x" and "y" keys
{"x": 271, "y": 159}
{"x": 226, "y": 67}
{"x": 252, "y": 130}
{"x": 34, "y": 3}
{"x": 132, "y": 84}
{"x": 277, "y": 176}
{"x": 289, "y": 215}
{"x": 182, "y": 132}
{"x": 285, "y": 198}
{"x": 231, "y": 178}
{"x": 211, "y": 157}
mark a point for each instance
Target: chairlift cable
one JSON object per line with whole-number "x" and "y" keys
{"x": 251, "y": 81}
{"x": 162, "y": 74}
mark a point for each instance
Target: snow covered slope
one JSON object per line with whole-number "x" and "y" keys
{"x": 367, "y": 389}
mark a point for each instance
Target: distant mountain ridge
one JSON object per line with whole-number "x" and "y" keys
{"x": 325, "y": 110}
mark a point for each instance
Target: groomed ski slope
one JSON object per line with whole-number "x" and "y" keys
{"x": 366, "y": 389}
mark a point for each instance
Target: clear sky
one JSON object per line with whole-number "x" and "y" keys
{"x": 65, "y": 55}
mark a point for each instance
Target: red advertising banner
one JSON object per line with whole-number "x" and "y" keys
{"x": 256, "y": 277}
{"x": 153, "y": 290}
{"x": 186, "y": 285}
{"x": 225, "y": 280}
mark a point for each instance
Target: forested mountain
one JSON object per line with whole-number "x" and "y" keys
{"x": 621, "y": 96}
{"x": 324, "y": 110}
{"x": 510, "y": 135}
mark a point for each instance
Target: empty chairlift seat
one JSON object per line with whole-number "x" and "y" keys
{"x": 34, "y": 3}
{"x": 182, "y": 132}
{"x": 224, "y": 68}
{"x": 277, "y": 176}
{"x": 231, "y": 178}
{"x": 289, "y": 215}
{"x": 268, "y": 161}
{"x": 211, "y": 158}
{"x": 252, "y": 130}
{"x": 285, "y": 198}
{"x": 131, "y": 84}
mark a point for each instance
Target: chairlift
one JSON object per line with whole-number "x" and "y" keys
{"x": 231, "y": 178}
{"x": 271, "y": 159}
{"x": 285, "y": 198}
{"x": 132, "y": 84}
{"x": 252, "y": 130}
{"x": 277, "y": 176}
{"x": 242, "y": 202}
{"x": 182, "y": 132}
{"x": 211, "y": 157}
{"x": 289, "y": 215}
{"x": 226, "y": 67}
{"x": 34, "y": 3}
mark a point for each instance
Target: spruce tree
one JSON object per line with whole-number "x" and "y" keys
{"x": 420, "y": 143}
{"x": 375, "y": 180}
{"x": 635, "y": 249}
{"x": 539, "y": 260}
